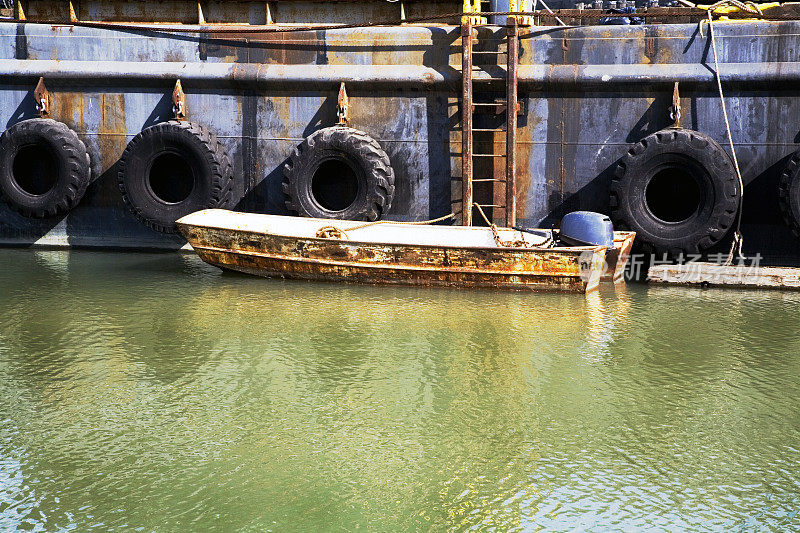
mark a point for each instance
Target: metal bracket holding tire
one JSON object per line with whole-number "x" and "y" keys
{"x": 678, "y": 190}
{"x": 789, "y": 193}
{"x": 339, "y": 173}
{"x": 44, "y": 168}
{"x": 172, "y": 169}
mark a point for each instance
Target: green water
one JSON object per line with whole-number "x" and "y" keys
{"x": 153, "y": 392}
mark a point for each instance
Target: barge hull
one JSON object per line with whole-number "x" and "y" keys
{"x": 589, "y": 93}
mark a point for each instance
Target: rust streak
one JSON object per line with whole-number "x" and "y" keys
{"x": 575, "y": 269}
{"x": 111, "y": 130}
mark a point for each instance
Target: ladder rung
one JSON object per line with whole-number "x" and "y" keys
{"x": 495, "y": 52}
{"x": 489, "y": 179}
{"x": 487, "y": 129}
{"x": 491, "y": 205}
{"x": 493, "y": 104}
{"x": 488, "y": 155}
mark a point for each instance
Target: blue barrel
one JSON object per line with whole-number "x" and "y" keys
{"x": 586, "y": 228}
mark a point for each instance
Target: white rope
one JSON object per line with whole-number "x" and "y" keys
{"x": 738, "y": 240}
{"x": 551, "y": 12}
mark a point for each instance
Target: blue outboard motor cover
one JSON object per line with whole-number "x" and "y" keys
{"x": 585, "y": 228}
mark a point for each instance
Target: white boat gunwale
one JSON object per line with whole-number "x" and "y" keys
{"x": 362, "y": 243}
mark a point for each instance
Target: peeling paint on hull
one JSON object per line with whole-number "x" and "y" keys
{"x": 575, "y": 269}
{"x": 575, "y": 127}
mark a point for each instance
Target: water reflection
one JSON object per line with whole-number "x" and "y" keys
{"x": 153, "y": 391}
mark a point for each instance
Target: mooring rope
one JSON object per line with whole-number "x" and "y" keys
{"x": 738, "y": 240}
{"x": 332, "y": 232}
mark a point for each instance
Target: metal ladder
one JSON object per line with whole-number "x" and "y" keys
{"x": 510, "y": 106}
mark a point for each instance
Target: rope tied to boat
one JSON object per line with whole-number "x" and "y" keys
{"x": 738, "y": 240}
{"x": 332, "y": 232}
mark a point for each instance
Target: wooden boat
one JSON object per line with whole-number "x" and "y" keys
{"x": 393, "y": 253}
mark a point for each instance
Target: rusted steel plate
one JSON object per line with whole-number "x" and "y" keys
{"x": 617, "y": 257}
{"x": 568, "y": 139}
{"x": 227, "y": 12}
{"x": 565, "y": 269}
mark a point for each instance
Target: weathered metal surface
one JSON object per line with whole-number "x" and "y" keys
{"x": 262, "y": 253}
{"x": 42, "y": 98}
{"x": 617, "y": 257}
{"x": 342, "y": 106}
{"x": 263, "y": 93}
{"x": 225, "y": 11}
{"x": 466, "y": 122}
{"x": 610, "y": 77}
{"x": 179, "y": 101}
{"x": 512, "y": 43}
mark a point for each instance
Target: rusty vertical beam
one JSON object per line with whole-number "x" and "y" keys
{"x": 512, "y": 33}
{"x": 466, "y": 121}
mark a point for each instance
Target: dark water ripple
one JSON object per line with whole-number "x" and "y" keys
{"x": 152, "y": 392}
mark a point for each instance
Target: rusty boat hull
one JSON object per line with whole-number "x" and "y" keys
{"x": 450, "y": 256}
{"x": 617, "y": 257}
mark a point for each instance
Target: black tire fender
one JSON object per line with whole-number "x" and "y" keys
{"x": 44, "y": 168}
{"x": 789, "y": 193}
{"x": 678, "y": 190}
{"x": 339, "y": 173}
{"x": 172, "y": 169}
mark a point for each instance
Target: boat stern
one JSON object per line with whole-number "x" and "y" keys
{"x": 592, "y": 266}
{"x": 617, "y": 256}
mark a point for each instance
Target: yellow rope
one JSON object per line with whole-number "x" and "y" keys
{"x": 412, "y": 223}
{"x": 332, "y": 232}
{"x": 725, "y": 7}
{"x": 747, "y": 7}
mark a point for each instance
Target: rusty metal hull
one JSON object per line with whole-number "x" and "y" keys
{"x": 575, "y": 269}
{"x": 617, "y": 257}
{"x": 589, "y": 93}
